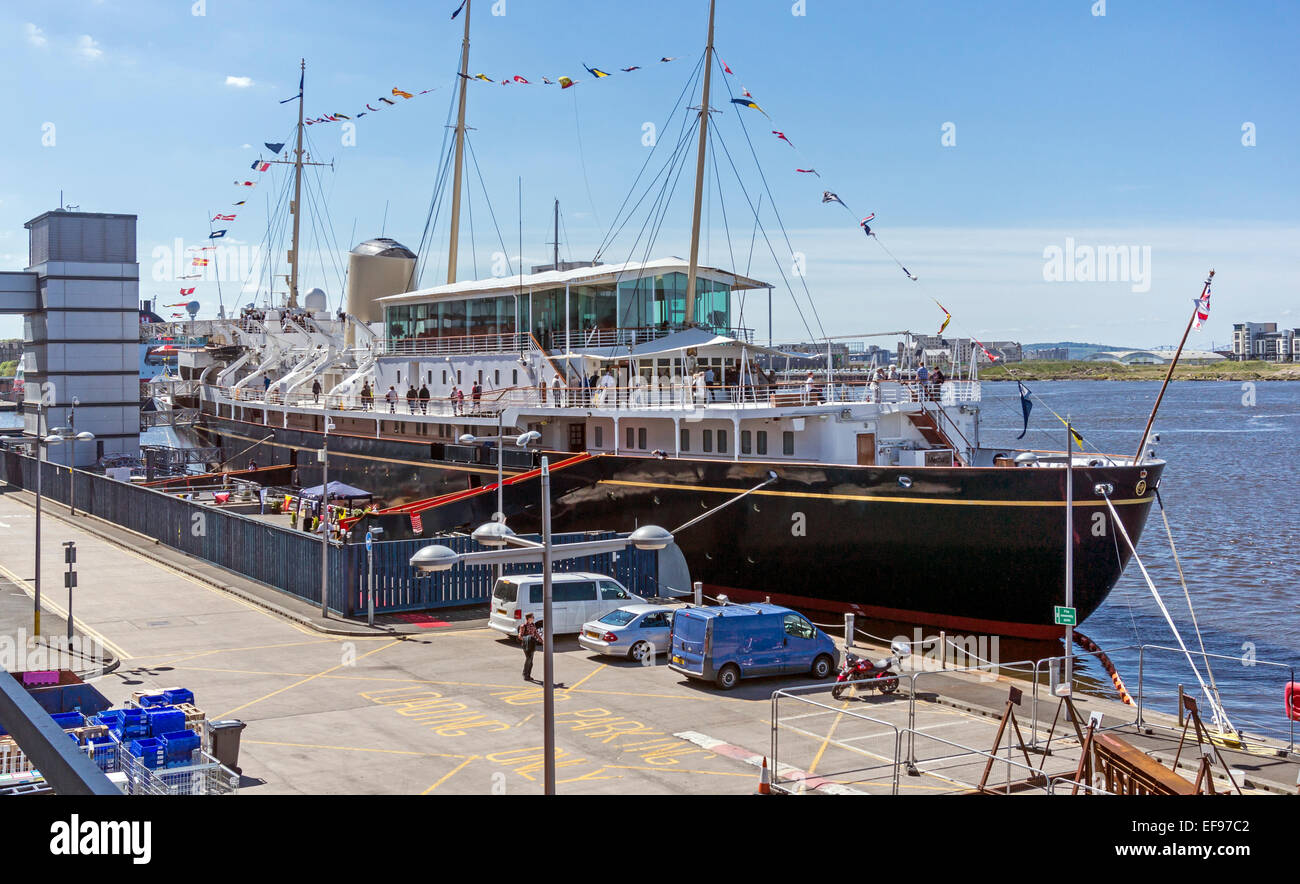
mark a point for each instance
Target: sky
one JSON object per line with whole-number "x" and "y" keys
{"x": 995, "y": 143}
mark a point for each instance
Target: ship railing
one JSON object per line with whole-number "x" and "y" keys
{"x": 467, "y": 345}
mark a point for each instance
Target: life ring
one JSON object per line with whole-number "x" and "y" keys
{"x": 1293, "y": 701}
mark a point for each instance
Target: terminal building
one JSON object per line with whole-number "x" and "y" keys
{"x": 80, "y": 300}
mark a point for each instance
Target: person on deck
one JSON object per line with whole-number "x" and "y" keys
{"x": 315, "y": 391}
{"x": 366, "y": 396}
{"x": 391, "y": 397}
{"x": 476, "y": 396}
{"x": 424, "y": 399}
{"x": 411, "y": 396}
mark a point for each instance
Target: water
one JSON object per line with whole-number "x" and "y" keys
{"x": 1233, "y": 504}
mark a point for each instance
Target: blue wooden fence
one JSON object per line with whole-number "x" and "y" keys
{"x": 289, "y": 560}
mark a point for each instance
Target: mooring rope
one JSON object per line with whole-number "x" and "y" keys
{"x": 1187, "y": 595}
{"x": 1220, "y": 716}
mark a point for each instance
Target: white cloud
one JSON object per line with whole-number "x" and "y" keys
{"x": 34, "y": 35}
{"x": 87, "y": 48}
{"x": 247, "y": 146}
{"x": 239, "y": 82}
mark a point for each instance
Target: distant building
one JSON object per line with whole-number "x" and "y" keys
{"x": 11, "y": 350}
{"x": 1264, "y": 340}
{"x": 1155, "y": 357}
{"x": 956, "y": 351}
{"x": 1054, "y": 354}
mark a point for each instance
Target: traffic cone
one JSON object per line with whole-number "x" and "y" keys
{"x": 764, "y": 780}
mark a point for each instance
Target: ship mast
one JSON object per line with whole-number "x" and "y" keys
{"x": 296, "y": 208}
{"x": 453, "y": 247}
{"x": 699, "y": 174}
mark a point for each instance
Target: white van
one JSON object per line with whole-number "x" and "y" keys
{"x": 575, "y": 599}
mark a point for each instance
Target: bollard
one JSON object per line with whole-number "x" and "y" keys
{"x": 943, "y": 649}
{"x": 848, "y": 633}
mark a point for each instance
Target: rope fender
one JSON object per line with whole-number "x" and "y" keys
{"x": 1091, "y": 647}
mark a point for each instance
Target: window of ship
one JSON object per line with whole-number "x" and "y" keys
{"x": 514, "y": 378}
{"x": 599, "y": 434}
{"x": 762, "y": 442}
{"x": 631, "y": 438}
{"x": 787, "y": 443}
{"x": 444, "y": 377}
{"x": 458, "y": 380}
{"x": 686, "y": 439}
{"x": 708, "y": 440}
{"x": 722, "y": 441}
{"x": 746, "y": 442}
{"x": 496, "y": 378}
{"x": 641, "y": 438}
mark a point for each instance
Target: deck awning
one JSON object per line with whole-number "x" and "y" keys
{"x": 689, "y": 339}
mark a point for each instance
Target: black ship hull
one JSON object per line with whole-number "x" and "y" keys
{"x": 969, "y": 550}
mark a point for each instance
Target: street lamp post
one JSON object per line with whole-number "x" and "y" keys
{"x": 522, "y": 442}
{"x": 324, "y": 521}
{"x": 441, "y": 558}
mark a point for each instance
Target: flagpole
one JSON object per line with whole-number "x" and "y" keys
{"x": 693, "y": 272}
{"x": 1173, "y": 363}
{"x": 453, "y": 247}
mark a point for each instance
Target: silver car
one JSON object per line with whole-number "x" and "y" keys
{"x": 632, "y": 631}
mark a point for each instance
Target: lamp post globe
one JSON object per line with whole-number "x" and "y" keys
{"x": 650, "y": 537}
{"x": 434, "y": 559}
{"x": 493, "y": 534}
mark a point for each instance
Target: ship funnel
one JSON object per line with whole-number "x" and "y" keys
{"x": 377, "y": 268}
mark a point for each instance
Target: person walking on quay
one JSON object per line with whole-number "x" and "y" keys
{"x": 391, "y": 397}
{"x": 424, "y": 399}
{"x": 530, "y": 637}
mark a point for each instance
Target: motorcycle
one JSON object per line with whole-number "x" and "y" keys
{"x": 864, "y": 672}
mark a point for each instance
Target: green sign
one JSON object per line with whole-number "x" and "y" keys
{"x": 1066, "y": 616}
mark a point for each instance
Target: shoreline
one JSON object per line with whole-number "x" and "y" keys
{"x": 1083, "y": 370}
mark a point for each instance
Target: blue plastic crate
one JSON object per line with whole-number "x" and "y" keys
{"x": 179, "y": 746}
{"x": 111, "y": 718}
{"x": 67, "y": 720}
{"x": 149, "y": 700}
{"x": 148, "y": 750}
{"x": 165, "y": 720}
{"x": 180, "y": 695}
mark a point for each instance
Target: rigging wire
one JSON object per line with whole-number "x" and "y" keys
{"x": 775, "y": 211}
{"x": 582, "y": 155}
{"x": 491, "y": 212}
{"x": 611, "y": 233}
{"x": 772, "y": 249}
{"x": 440, "y": 183}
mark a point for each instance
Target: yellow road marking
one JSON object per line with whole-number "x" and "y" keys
{"x": 457, "y": 769}
{"x": 812, "y": 768}
{"x": 305, "y": 680}
{"x": 47, "y": 602}
{"x": 353, "y": 749}
{"x": 873, "y": 498}
{"x": 586, "y": 677}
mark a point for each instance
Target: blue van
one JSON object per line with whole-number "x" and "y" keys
{"x": 726, "y": 644}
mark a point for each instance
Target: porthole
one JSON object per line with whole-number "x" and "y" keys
{"x": 904, "y": 481}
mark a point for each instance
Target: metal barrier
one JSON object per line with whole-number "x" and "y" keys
{"x": 789, "y": 693}
{"x": 1142, "y": 693}
{"x": 289, "y": 560}
{"x": 1045, "y": 667}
